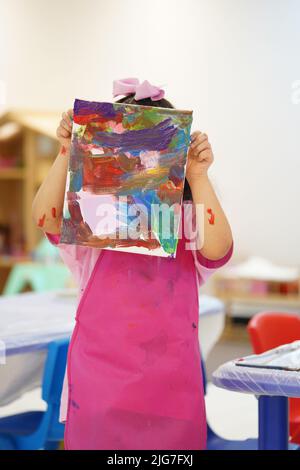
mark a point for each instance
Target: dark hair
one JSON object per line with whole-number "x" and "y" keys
{"x": 163, "y": 103}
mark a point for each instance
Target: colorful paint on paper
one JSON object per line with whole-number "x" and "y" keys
{"x": 125, "y": 161}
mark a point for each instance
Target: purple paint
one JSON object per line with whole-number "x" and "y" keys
{"x": 176, "y": 174}
{"x": 84, "y": 108}
{"x": 75, "y": 405}
{"x": 156, "y": 138}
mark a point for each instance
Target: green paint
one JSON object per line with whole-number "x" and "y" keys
{"x": 137, "y": 121}
{"x": 79, "y": 131}
{"x": 67, "y": 214}
{"x": 168, "y": 244}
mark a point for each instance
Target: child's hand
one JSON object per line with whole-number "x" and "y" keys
{"x": 64, "y": 129}
{"x": 200, "y": 156}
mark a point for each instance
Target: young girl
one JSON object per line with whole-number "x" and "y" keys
{"x": 134, "y": 377}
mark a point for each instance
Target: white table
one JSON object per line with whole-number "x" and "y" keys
{"x": 28, "y": 322}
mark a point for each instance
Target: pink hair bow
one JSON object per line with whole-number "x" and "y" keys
{"x": 126, "y": 86}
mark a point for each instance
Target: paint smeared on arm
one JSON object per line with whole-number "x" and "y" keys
{"x": 42, "y": 221}
{"x": 211, "y": 219}
{"x": 47, "y": 206}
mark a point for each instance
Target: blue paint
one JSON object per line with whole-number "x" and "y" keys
{"x": 76, "y": 181}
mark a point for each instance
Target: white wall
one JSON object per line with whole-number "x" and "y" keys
{"x": 232, "y": 61}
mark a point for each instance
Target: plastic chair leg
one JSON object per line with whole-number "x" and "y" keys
{"x": 52, "y": 445}
{"x": 273, "y": 423}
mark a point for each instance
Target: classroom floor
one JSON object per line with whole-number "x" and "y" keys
{"x": 231, "y": 415}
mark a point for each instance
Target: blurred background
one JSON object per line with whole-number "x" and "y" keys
{"x": 235, "y": 63}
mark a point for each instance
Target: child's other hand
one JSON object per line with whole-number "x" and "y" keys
{"x": 64, "y": 130}
{"x": 200, "y": 156}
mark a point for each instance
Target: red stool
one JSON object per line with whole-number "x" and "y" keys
{"x": 267, "y": 330}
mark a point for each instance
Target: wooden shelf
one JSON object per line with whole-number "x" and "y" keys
{"x": 37, "y": 147}
{"x": 10, "y": 261}
{"x": 237, "y": 291}
{"x": 271, "y": 299}
{"x": 12, "y": 173}
{"x": 44, "y": 123}
{"x": 29, "y": 137}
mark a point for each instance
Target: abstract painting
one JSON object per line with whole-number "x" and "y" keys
{"x": 126, "y": 177}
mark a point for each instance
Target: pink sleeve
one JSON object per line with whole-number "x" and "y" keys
{"x": 53, "y": 238}
{"x": 206, "y": 267}
{"x": 81, "y": 261}
{"x": 75, "y": 258}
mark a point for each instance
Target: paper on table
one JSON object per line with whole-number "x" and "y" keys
{"x": 285, "y": 357}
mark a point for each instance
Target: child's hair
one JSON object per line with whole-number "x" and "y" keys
{"x": 163, "y": 103}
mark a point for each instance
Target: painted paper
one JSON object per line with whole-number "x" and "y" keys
{"x": 126, "y": 176}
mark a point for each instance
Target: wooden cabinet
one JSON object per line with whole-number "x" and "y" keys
{"x": 28, "y": 147}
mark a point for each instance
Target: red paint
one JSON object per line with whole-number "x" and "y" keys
{"x": 104, "y": 170}
{"x": 63, "y": 150}
{"x": 88, "y": 118}
{"x": 53, "y": 212}
{"x": 211, "y": 220}
{"x": 42, "y": 221}
{"x": 169, "y": 193}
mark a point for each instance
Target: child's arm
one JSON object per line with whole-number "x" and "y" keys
{"x": 217, "y": 232}
{"x": 48, "y": 203}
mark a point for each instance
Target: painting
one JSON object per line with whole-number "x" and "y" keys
{"x": 126, "y": 176}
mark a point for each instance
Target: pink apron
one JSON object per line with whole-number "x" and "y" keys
{"x": 134, "y": 370}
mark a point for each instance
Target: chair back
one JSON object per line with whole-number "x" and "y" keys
{"x": 54, "y": 370}
{"x": 268, "y": 330}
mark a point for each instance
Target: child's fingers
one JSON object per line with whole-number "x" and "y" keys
{"x": 193, "y": 138}
{"x": 62, "y": 132}
{"x": 202, "y": 156}
{"x": 64, "y": 126}
{"x": 198, "y": 139}
{"x": 195, "y": 134}
{"x": 198, "y": 143}
{"x": 69, "y": 116}
{"x": 66, "y": 120}
{"x": 203, "y": 146}
{"x": 201, "y": 138}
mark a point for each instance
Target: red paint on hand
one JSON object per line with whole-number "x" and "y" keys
{"x": 63, "y": 150}
{"x": 211, "y": 219}
{"x": 42, "y": 221}
{"x": 53, "y": 212}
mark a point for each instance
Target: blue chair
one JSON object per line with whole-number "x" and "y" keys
{"x": 35, "y": 430}
{"x": 45, "y": 272}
